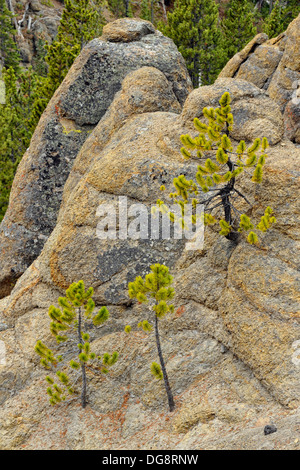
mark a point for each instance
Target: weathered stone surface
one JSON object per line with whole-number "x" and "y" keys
{"x": 291, "y": 55}
{"x": 240, "y": 57}
{"x": 222, "y": 306}
{"x": 104, "y": 64}
{"x": 260, "y": 65}
{"x": 126, "y": 30}
{"x": 248, "y": 101}
{"x": 77, "y": 106}
{"x": 274, "y": 65}
{"x": 232, "y": 344}
{"x": 292, "y": 119}
{"x": 282, "y": 85}
{"x": 143, "y": 90}
{"x": 257, "y": 290}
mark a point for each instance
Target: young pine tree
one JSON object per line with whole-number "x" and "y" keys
{"x": 238, "y": 26}
{"x": 9, "y": 55}
{"x": 194, "y": 27}
{"x": 216, "y": 182}
{"x": 156, "y": 289}
{"x": 69, "y": 324}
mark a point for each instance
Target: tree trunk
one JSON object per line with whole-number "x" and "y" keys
{"x": 164, "y": 9}
{"x": 163, "y": 368}
{"x": 14, "y": 20}
{"x": 83, "y": 370}
{"x": 152, "y": 11}
{"x": 259, "y": 4}
{"x": 126, "y": 8}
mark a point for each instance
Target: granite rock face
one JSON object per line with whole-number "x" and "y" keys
{"x": 77, "y": 106}
{"x": 292, "y": 117}
{"x": 273, "y": 65}
{"x": 232, "y": 345}
{"x": 248, "y": 101}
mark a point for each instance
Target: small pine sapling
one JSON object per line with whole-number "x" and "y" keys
{"x": 156, "y": 289}
{"x": 68, "y": 324}
{"x": 218, "y": 176}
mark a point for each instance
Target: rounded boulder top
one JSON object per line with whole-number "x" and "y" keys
{"x": 127, "y": 30}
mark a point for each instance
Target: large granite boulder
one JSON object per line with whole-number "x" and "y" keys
{"x": 231, "y": 346}
{"x": 77, "y": 106}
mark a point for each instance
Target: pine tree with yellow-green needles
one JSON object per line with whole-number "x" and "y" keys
{"x": 216, "y": 179}
{"x": 156, "y": 289}
{"x": 68, "y": 324}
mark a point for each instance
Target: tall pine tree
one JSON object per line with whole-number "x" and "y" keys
{"x": 71, "y": 323}
{"x": 238, "y": 26}
{"x": 15, "y": 126}
{"x": 220, "y": 176}
{"x": 9, "y": 55}
{"x": 145, "y": 10}
{"x": 156, "y": 288}
{"x": 194, "y": 27}
{"x": 282, "y": 14}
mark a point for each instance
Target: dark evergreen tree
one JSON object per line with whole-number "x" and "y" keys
{"x": 282, "y": 14}
{"x": 9, "y": 55}
{"x": 238, "y": 26}
{"x": 194, "y": 27}
{"x": 265, "y": 7}
{"x": 272, "y": 25}
{"x": 145, "y": 10}
{"x": 120, "y": 8}
{"x": 15, "y": 126}
{"x": 27, "y": 93}
{"x": 40, "y": 65}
